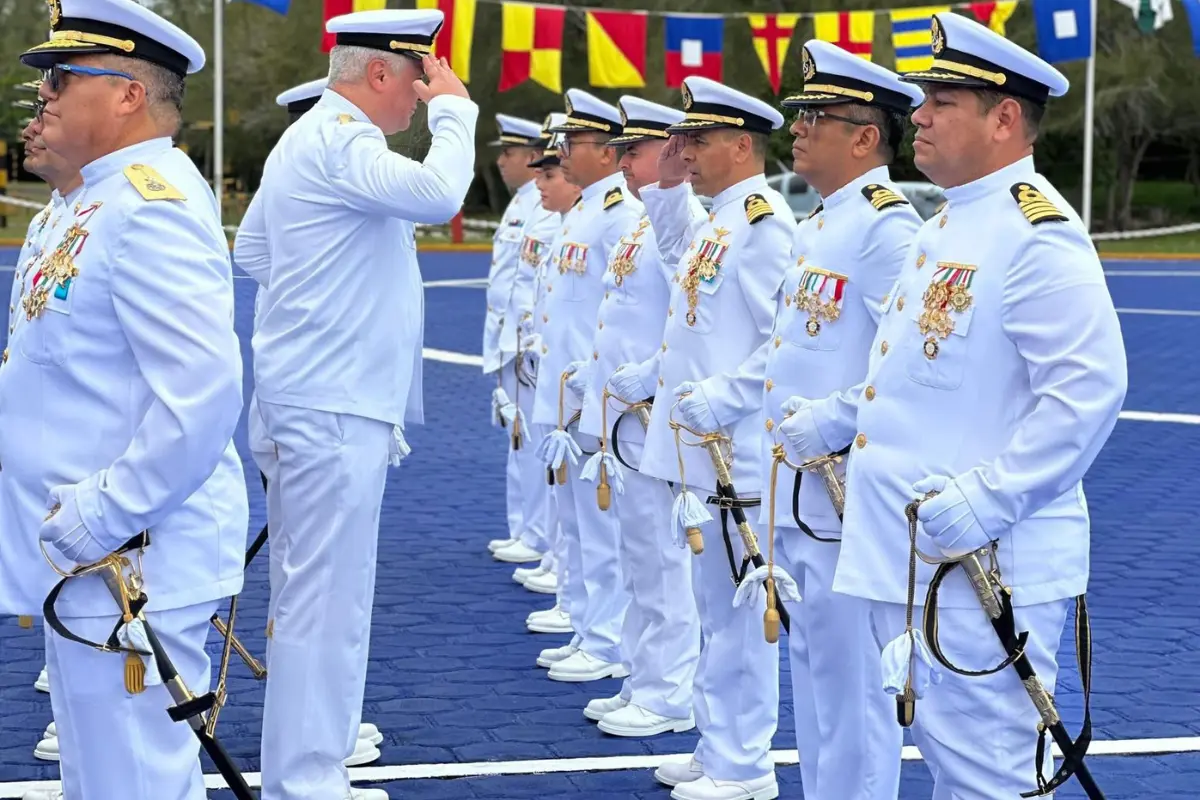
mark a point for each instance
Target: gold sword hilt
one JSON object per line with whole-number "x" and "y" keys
{"x": 603, "y": 490}
{"x": 560, "y": 475}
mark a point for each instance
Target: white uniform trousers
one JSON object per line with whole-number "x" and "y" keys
{"x": 534, "y": 490}
{"x": 846, "y": 728}
{"x": 736, "y": 698}
{"x": 979, "y": 735}
{"x": 661, "y": 634}
{"x": 595, "y": 592}
{"x": 332, "y": 469}
{"x": 512, "y": 464}
{"x": 117, "y": 745}
{"x": 262, "y": 449}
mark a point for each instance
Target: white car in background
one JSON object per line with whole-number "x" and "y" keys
{"x": 802, "y": 198}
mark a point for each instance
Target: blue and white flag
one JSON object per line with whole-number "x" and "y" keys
{"x": 1064, "y": 29}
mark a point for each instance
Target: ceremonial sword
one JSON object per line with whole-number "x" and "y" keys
{"x": 996, "y": 599}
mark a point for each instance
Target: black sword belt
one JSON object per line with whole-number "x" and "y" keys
{"x": 727, "y": 500}
{"x": 996, "y": 599}
{"x": 796, "y": 505}
{"x": 200, "y": 712}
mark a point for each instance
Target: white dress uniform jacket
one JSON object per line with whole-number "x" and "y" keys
{"x": 999, "y": 362}
{"x": 500, "y": 337}
{"x": 846, "y": 258}
{"x": 16, "y": 580}
{"x": 343, "y": 327}
{"x": 736, "y": 304}
{"x": 127, "y": 384}
{"x": 633, "y": 312}
{"x": 574, "y": 287}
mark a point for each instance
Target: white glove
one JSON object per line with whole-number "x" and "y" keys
{"x": 532, "y": 343}
{"x": 694, "y": 410}
{"x": 580, "y": 373}
{"x": 687, "y": 512}
{"x": 499, "y": 401}
{"x": 948, "y": 519}
{"x": 134, "y": 636}
{"x": 627, "y": 384}
{"x": 749, "y": 589}
{"x": 591, "y": 470}
{"x": 556, "y": 446}
{"x": 398, "y": 448}
{"x": 64, "y": 530}
{"x": 800, "y": 429}
{"x": 897, "y": 659}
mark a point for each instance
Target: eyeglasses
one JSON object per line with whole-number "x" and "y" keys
{"x": 55, "y": 76}
{"x": 810, "y": 116}
{"x": 565, "y": 146}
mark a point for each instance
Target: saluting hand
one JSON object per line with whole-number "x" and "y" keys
{"x": 672, "y": 170}
{"x": 441, "y": 81}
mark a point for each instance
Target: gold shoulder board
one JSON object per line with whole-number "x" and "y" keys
{"x": 151, "y": 185}
{"x": 345, "y": 119}
{"x": 820, "y": 207}
{"x": 613, "y": 197}
{"x": 882, "y": 197}
{"x": 757, "y": 208}
{"x": 1034, "y": 205}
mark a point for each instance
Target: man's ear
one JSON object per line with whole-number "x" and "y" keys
{"x": 1010, "y": 120}
{"x": 134, "y": 97}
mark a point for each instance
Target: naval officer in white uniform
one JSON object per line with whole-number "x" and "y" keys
{"x": 661, "y": 634}
{"x": 519, "y": 143}
{"x": 65, "y": 184}
{"x": 337, "y": 365}
{"x": 136, "y": 343}
{"x": 996, "y": 376}
{"x": 574, "y": 288}
{"x": 729, "y": 272}
{"x": 851, "y": 117}
{"x": 250, "y": 254}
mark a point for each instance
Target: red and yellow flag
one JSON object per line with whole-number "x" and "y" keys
{"x": 531, "y": 45}
{"x": 853, "y": 31}
{"x": 335, "y": 8}
{"x": 994, "y": 15}
{"x": 772, "y": 34}
{"x": 616, "y": 49}
{"x": 453, "y": 42}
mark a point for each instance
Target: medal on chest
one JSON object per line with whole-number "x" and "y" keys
{"x": 947, "y": 296}
{"x": 532, "y": 251}
{"x": 57, "y": 270}
{"x": 820, "y": 294}
{"x": 703, "y": 268}
{"x": 624, "y": 260}
{"x": 572, "y": 257}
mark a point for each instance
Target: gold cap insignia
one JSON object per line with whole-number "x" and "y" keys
{"x": 882, "y": 197}
{"x": 757, "y": 208}
{"x": 570, "y": 106}
{"x": 687, "y": 97}
{"x": 1035, "y": 206}
{"x": 55, "y": 12}
{"x": 810, "y": 68}
{"x": 939, "y": 37}
{"x": 624, "y": 116}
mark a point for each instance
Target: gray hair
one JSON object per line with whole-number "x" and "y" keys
{"x": 164, "y": 89}
{"x": 348, "y": 63}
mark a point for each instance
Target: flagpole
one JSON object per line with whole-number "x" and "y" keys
{"x": 1089, "y": 103}
{"x": 219, "y": 102}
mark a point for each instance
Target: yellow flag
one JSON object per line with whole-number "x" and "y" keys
{"x": 616, "y": 49}
{"x": 457, "y": 33}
